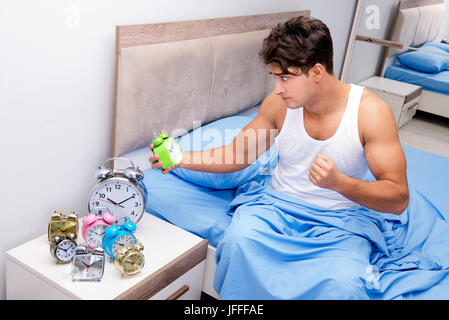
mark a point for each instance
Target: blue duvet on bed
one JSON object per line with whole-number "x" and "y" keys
{"x": 301, "y": 251}
{"x": 298, "y": 249}
{"x": 383, "y": 255}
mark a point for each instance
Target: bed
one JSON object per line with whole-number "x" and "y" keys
{"x": 178, "y": 76}
{"x": 187, "y": 68}
{"x": 418, "y": 23}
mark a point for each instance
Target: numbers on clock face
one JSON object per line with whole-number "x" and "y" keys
{"x": 121, "y": 198}
{"x": 133, "y": 264}
{"x": 88, "y": 267}
{"x": 94, "y": 236}
{"x": 174, "y": 150}
{"x": 65, "y": 250}
{"x": 124, "y": 240}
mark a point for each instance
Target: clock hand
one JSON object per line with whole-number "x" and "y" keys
{"x": 108, "y": 201}
{"x": 65, "y": 230}
{"x": 133, "y": 196}
{"x": 112, "y": 201}
{"x": 87, "y": 266}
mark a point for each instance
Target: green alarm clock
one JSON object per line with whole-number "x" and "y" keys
{"x": 168, "y": 149}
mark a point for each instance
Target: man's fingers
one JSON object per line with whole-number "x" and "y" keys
{"x": 316, "y": 169}
{"x": 312, "y": 178}
{"x": 153, "y": 158}
{"x": 156, "y": 165}
{"x": 154, "y": 162}
{"x": 167, "y": 170}
{"x": 321, "y": 162}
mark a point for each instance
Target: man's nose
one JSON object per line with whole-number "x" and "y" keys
{"x": 278, "y": 88}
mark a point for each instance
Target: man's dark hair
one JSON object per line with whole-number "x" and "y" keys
{"x": 300, "y": 42}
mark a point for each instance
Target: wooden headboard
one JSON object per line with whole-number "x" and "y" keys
{"x": 177, "y": 75}
{"x": 417, "y": 22}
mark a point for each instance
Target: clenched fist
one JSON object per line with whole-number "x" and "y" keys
{"x": 324, "y": 173}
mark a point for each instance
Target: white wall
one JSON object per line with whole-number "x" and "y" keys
{"x": 56, "y": 94}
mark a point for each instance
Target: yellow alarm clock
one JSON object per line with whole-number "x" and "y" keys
{"x": 61, "y": 223}
{"x": 130, "y": 260}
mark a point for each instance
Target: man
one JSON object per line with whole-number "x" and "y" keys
{"x": 329, "y": 134}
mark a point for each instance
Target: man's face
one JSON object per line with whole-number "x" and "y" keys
{"x": 295, "y": 88}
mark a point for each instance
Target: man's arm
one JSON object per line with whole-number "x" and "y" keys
{"x": 251, "y": 142}
{"x": 384, "y": 156}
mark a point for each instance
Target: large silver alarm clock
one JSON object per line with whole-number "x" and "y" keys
{"x": 120, "y": 191}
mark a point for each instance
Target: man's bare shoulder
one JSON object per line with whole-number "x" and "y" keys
{"x": 373, "y": 106}
{"x": 375, "y": 117}
{"x": 273, "y": 109}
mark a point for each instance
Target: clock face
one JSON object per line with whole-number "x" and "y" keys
{"x": 87, "y": 267}
{"x": 62, "y": 227}
{"x": 124, "y": 240}
{"x": 174, "y": 150}
{"x": 121, "y": 197}
{"x": 94, "y": 236}
{"x": 65, "y": 250}
{"x": 133, "y": 263}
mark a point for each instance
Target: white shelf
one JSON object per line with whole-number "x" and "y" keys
{"x": 398, "y": 88}
{"x": 163, "y": 243}
{"x": 403, "y": 98}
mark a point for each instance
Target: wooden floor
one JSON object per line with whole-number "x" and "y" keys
{"x": 426, "y": 132}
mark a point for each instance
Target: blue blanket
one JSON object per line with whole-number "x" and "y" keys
{"x": 271, "y": 245}
{"x": 279, "y": 247}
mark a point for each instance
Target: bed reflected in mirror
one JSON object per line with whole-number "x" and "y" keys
{"x": 397, "y": 51}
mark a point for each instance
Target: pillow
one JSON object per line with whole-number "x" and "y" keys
{"x": 425, "y": 61}
{"x": 439, "y": 45}
{"x": 253, "y": 116}
{"x": 216, "y": 134}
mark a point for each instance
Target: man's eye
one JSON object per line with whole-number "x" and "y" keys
{"x": 284, "y": 78}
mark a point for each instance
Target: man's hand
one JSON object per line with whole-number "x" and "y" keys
{"x": 158, "y": 164}
{"x": 324, "y": 173}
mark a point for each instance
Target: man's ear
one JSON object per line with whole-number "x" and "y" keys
{"x": 316, "y": 72}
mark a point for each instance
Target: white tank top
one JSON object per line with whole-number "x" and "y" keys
{"x": 297, "y": 151}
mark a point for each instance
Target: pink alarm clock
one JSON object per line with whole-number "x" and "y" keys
{"x": 94, "y": 227}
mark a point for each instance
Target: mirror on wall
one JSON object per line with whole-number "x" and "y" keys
{"x": 397, "y": 50}
{"x": 372, "y": 19}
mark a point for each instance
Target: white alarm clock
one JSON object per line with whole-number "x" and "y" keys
{"x": 120, "y": 191}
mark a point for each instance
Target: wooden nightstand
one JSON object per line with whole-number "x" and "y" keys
{"x": 174, "y": 268}
{"x": 403, "y": 98}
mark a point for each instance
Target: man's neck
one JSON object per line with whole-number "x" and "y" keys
{"x": 331, "y": 96}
